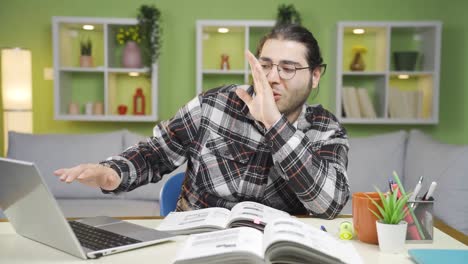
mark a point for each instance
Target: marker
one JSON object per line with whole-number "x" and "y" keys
{"x": 323, "y": 228}
{"x": 431, "y": 190}
{"x": 416, "y": 190}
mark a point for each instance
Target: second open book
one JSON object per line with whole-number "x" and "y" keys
{"x": 286, "y": 240}
{"x": 242, "y": 214}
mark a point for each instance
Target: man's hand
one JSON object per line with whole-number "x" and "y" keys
{"x": 94, "y": 175}
{"x": 263, "y": 106}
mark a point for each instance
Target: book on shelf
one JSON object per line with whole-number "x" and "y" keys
{"x": 285, "y": 240}
{"x": 249, "y": 214}
{"x": 365, "y": 104}
{"x": 406, "y": 104}
{"x": 351, "y": 102}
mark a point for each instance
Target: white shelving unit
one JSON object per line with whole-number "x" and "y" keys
{"x": 107, "y": 82}
{"x": 242, "y": 35}
{"x": 398, "y": 97}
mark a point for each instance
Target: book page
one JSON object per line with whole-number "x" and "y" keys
{"x": 215, "y": 217}
{"x": 226, "y": 243}
{"x": 256, "y": 213}
{"x": 291, "y": 230}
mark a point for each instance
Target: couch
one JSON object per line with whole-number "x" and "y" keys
{"x": 52, "y": 151}
{"x": 371, "y": 163}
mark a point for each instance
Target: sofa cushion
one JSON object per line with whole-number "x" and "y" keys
{"x": 447, "y": 165}
{"x": 53, "y": 151}
{"x": 371, "y": 160}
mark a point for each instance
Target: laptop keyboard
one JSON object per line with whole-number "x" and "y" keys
{"x": 98, "y": 239}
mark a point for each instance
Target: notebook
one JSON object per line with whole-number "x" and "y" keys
{"x": 34, "y": 213}
{"x": 430, "y": 256}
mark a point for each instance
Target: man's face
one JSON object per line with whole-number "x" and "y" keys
{"x": 290, "y": 94}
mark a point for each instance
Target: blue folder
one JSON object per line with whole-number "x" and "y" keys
{"x": 429, "y": 256}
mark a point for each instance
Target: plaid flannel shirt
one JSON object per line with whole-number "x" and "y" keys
{"x": 232, "y": 157}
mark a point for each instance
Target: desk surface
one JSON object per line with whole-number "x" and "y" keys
{"x": 17, "y": 249}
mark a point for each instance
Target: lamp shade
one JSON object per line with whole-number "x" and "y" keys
{"x": 16, "y": 79}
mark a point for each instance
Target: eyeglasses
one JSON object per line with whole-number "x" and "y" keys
{"x": 287, "y": 71}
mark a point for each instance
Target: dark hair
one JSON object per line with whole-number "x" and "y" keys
{"x": 299, "y": 34}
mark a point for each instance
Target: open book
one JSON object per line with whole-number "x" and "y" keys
{"x": 285, "y": 240}
{"x": 242, "y": 214}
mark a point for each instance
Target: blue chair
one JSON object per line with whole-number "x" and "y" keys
{"x": 170, "y": 193}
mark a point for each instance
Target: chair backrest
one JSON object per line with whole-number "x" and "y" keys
{"x": 170, "y": 193}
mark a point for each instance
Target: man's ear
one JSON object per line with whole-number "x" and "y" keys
{"x": 315, "y": 78}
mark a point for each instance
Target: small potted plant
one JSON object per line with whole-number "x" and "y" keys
{"x": 391, "y": 229}
{"x": 287, "y": 14}
{"x": 86, "y": 59}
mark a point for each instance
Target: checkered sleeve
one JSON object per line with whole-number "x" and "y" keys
{"x": 166, "y": 150}
{"x": 314, "y": 163}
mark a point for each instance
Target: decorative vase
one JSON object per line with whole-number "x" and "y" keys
{"x": 405, "y": 60}
{"x": 139, "y": 102}
{"x": 131, "y": 55}
{"x": 358, "y": 62}
{"x": 391, "y": 237}
{"x": 225, "y": 62}
{"x": 86, "y": 61}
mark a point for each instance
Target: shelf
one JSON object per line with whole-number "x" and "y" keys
{"x": 107, "y": 83}
{"x": 114, "y": 118}
{"x": 242, "y": 35}
{"x": 223, "y": 72}
{"x": 129, "y": 70}
{"x": 82, "y": 69}
{"x": 363, "y": 73}
{"x": 388, "y": 121}
{"x": 408, "y": 95}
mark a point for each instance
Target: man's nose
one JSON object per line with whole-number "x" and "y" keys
{"x": 273, "y": 75}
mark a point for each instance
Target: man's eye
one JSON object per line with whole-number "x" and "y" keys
{"x": 288, "y": 69}
{"x": 266, "y": 66}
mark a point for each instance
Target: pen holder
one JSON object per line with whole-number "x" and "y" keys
{"x": 420, "y": 221}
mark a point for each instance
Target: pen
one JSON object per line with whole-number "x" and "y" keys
{"x": 323, "y": 228}
{"x": 416, "y": 190}
{"x": 430, "y": 192}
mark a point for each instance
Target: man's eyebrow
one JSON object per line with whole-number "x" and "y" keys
{"x": 265, "y": 59}
{"x": 290, "y": 62}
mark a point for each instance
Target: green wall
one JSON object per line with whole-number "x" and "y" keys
{"x": 27, "y": 23}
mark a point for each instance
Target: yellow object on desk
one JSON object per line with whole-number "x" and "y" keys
{"x": 346, "y": 230}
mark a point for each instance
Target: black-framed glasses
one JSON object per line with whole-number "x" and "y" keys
{"x": 287, "y": 71}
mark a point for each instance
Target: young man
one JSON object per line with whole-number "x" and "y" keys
{"x": 258, "y": 143}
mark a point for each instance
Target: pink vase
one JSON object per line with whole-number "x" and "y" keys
{"x": 131, "y": 55}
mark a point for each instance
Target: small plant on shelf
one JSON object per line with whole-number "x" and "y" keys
{"x": 86, "y": 47}
{"x": 287, "y": 14}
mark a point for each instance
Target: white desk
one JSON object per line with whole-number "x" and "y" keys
{"x": 17, "y": 249}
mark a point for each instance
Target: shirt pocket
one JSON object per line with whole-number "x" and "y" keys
{"x": 226, "y": 148}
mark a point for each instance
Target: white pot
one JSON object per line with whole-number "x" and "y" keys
{"x": 392, "y": 237}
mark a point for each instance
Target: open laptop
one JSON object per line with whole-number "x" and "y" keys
{"x": 32, "y": 210}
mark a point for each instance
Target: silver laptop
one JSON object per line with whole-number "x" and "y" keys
{"x": 32, "y": 210}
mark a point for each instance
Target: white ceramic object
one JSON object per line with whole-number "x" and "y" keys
{"x": 391, "y": 237}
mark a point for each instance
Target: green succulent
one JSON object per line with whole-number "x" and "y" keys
{"x": 86, "y": 47}
{"x": 393, "y": 209}
{"x": 287, "y": 14}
